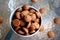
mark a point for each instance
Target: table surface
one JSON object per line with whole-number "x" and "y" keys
{"x": 7, "y": 6}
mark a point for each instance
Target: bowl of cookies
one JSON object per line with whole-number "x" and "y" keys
{"x": 25, "y": 21}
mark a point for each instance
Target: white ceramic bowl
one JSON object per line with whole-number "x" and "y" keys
{"x": 15, "y": 31}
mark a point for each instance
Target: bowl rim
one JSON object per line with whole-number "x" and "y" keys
{"x": 10, "y": 19}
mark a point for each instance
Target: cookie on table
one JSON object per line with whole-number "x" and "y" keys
{"x": 50, "y": 34}
{"x": 41, "y": 28}
{"x": 1, "y": 20}
{"x": 56, "y": 20}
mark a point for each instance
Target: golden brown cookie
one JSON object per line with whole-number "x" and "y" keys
{"x": 22, "y": 23}
{"x": 29, "y": 24}
{"x": 41, "y": 28}
{"x": 27, "y": 18}
{"x": 34, "y": 1}
{"x": 19, "y": 9}
{"x": 20, "y": 32}
{"x": 50, "y": 34}
{"x": 18, "y": 27}
{"x": 38, "y": 14}
{"x": 30, "y": 14}
{"x": 24, "y": 13}
{"x": 37, "y": 20}
{"x": 33, "y": 16}
{"x": 16, "y": 22}
{"x": 32, "y": 11}
{"x": 26, "y": 6}
{"x": 18, "y": 15}
{"x": 42, "y": 10}
{"x": 57, "y": 20}
{"x": 32, "y": 31}
{"x": 1, "y": 20}
{"x": 34, "y": 26}
{"x": 26, "y": 30}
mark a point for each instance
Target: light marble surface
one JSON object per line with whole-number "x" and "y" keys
{"x": 7, "y": 6}
{"x": 4, "y": 12}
